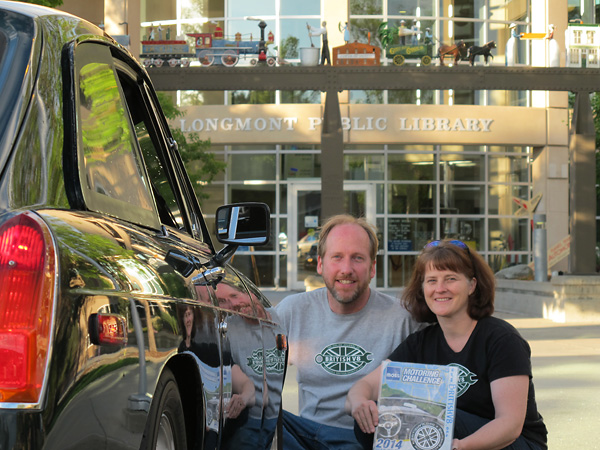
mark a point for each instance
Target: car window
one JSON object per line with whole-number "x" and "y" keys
{"x": 148, "y": 140}
{"x": 124, "y": 169}
{"x": 111, "y": 173}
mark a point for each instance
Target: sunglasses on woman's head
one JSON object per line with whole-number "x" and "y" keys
{"x": 457, "y": 243}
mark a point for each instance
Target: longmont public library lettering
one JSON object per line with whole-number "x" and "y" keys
{"x": 369, "y": 124}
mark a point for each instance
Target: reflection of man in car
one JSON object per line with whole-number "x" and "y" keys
{"x": 245, "y": 337}
{"x": 338, "y": 334}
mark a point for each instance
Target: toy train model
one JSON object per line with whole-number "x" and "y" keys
{"x": 209, "y": 48}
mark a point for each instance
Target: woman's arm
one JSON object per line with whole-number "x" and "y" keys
{"x": 509, "y": 396}
{"x": 243, "y": 395}
{"x": 360, "y": 401}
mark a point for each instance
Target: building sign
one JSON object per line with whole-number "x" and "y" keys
{"x": 369, "y": 124}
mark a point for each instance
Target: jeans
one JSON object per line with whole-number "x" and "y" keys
{"x": 304, "y": 434}
{"x": 467, "y": 424}
{"x": 464, "y": 425}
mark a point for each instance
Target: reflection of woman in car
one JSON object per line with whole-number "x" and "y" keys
{"x": 453, "y": 287}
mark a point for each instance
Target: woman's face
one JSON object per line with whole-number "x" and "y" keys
{"x": 188, "y": 321}
{"x": 447, "y": 292}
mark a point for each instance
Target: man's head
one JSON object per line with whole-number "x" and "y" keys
{"x": 345, "y": 219}
{"x": 347, "y": 251}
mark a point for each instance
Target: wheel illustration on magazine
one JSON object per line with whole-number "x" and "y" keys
{"x": 427, "y": 436}
{"x": 390, "y": 425}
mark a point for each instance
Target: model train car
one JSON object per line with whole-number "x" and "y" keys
{"x": 227, "y": 52}
{"x": 175, "y": 53}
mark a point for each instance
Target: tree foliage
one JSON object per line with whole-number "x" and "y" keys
{"x": 201, "y": 164}
{"x": 51, "y": 3}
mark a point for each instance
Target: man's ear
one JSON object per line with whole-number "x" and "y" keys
{"x": 319, "y": 266}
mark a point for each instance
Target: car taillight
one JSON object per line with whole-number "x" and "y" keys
{"x": 27, "y": 266}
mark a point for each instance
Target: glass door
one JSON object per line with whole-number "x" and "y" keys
{"x": 304, "y": 205}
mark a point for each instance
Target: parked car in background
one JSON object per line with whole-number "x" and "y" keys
{"x": 120, "y": 325}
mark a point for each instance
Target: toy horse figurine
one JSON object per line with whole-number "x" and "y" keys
{"x": 454, "y": 50}
{"x": 485, "y": 51}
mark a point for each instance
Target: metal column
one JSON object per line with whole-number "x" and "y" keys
{"x": 332, "y": 158}
{"x": 582, "y": 187}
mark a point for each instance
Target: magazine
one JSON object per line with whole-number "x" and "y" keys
{"x": 417, "y": 403}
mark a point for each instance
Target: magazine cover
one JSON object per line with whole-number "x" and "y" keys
{"x": 416, "y": 406}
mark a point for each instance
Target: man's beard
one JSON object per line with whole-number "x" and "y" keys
{"x": 348, "y": 298}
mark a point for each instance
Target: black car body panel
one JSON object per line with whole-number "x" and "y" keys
{"x": 134, "y": 298}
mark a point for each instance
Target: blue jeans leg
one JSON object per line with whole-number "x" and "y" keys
{"x": 304, "y": 434}
{"x": 467, "y": 424}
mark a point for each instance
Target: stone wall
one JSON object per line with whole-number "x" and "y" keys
{"x": 565, "y": 298}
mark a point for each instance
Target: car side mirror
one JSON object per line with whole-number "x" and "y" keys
{"x": 243, "y": 224}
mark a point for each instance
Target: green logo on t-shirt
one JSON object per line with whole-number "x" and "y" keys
{"x": 466, "y": 379}
{"x": 274, "y": 360}
{"x": 343, "y": 358}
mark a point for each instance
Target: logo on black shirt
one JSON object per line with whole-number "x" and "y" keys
{"x": 466, "y": 379}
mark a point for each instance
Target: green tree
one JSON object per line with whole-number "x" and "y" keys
{"x": 51, "y": 3}
{"x": 193, "y": 150}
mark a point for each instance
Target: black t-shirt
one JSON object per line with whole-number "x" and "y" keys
{"x": 494, "y": 350}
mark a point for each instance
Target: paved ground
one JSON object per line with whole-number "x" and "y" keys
{"x": 566, "y": 374}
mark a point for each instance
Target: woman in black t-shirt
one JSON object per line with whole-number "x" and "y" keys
{"x": 453, "y": 288}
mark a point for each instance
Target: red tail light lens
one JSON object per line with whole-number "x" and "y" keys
{"x": 26, "y": 300}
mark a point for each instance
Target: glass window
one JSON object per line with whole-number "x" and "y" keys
{"x": 251, "y": 97}
{"x": 468, "y": 230}
{"x": 410, "y": 166}
{"x": 472, "y": 9}
{"x": 411, "y": 7}
{"x": 500, "y": 198}
{"x": 400, "y": 269}
{"x": 462, "y": 199}
{"x": 260, "y": 269}
{"x": 409, "y": 234}
{"x": 507, "y": 169}
{"x": 294, "y": 36}
{"x": 371, "y": 97}
{"x": 256, "y": 8}
{"x": 411, "y": 198}
{"x": 251, "y": 167}
{"x": 364, "y": 30}
{"x": 462, "y": 167}
{"x": 114, "y": 180}
{"x": 264, "y": 193}
{"x": 313, "y": 97}
{"x": 213, "y": 196}
{"x": 363, "y": 167}
{"x": 366, "y": 7}
{"x": 296, "y": 8}
{"x": 300, "y": 165}
{"x": 508, "y": 234}
{"x": 111, "y": 166}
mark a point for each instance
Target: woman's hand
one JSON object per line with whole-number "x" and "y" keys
{"x": 360, "y": 402}
{"x": 235, "y": 406}
{"x": 366, "y": 416}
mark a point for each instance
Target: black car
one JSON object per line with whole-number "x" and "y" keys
{"x": 120, "y": 325}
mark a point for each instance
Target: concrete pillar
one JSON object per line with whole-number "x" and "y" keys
{"x": 582, "y": 188}
{"x": 332, "y": 158}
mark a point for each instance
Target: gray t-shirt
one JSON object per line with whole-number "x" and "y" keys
{"x": 332, "y": 351}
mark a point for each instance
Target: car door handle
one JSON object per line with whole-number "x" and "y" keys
{"x": 209, "y": 277}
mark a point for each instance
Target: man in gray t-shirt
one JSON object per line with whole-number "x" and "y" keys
{"x": 338, "y": 334}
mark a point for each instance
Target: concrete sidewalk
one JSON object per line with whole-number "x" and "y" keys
{"x": 566, "y": 374}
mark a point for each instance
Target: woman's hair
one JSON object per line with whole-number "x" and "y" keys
{"x": 457, "y": 257}
{"x": 347, "y": 219}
